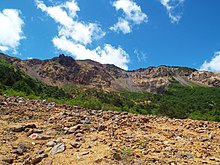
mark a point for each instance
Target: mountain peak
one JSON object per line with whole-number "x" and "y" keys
{"x": 64, "y": 60}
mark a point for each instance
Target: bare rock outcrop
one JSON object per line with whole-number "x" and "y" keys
{"x": 64, "y": 70}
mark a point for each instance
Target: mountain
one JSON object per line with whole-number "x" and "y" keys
{"x": 64, "y": 70}
{"x": 176, "y": 92}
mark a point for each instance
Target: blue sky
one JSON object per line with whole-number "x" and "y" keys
{"x": 128, "y": 33}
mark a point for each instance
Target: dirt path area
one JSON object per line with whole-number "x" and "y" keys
{"x": 41, "y": 132}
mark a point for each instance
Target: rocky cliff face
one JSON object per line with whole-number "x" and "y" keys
{"x": 64, "y": 70}
{"x": 207, "y": 78}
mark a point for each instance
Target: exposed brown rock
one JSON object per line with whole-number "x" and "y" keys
{"x": 64, "y": 70}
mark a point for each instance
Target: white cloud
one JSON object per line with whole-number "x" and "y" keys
{"x": 82, "y": 33}
{"x": 73, "y": 8}
{"x": 213, "y": 65}
{"x": 66, "y": 14}
{"x": 173, "y": 8}
{"x": 74, "y": 36}
{"x": 122, "y": 25}
{"x": 132, "y": 15}
{"x": 106, "y": 55}
{"x": 10, "y": 29}
{"x": 141, "y": 56}
{"x": 4, "y": 48}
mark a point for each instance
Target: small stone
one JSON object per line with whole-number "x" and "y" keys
{"x": 41, "y": 151}
{"x": 58, "y": 140}
{"x": 77, "y": 114}
{"x": 66, "y": 128}
{"x": 103, "y": 141}
{"x": 30, "y": 126}
{"x": 47, "y": 150}
{"x": 204, "y": 139}
{"x": 48, "y": 162}
{"x": 79, "y": 135}
{"x": 84, "y": 153}
{"x": 44, "y": 137}
{"x": 3, "y": 103}
{"x": 34, "y": 136}
{"x": 152, "y": 160}
{"x": 37, "y": 131}
{"x": 94, "y": 139}
{"x": 116, "y": 156}
{"x": 18, "y": 151}
{"x": 39, "y": 158}
{"x": 204, "y": 162}
{"x": 198, "y": 155}
{"x": 8, "y": 160}
{"x": 98, "y": 160}
{"x": 75, "y": 145}
{"x": 74, "y": 128}
{"x": 101, "y": 127}
{"x": 23, "y": 147}
{"x": 78, "y": 158}
{"x": 50, "y": 144}
{"x": 187, "y": 127}
{"x": 59, "y": 148}
{"x": 89, "y": 147}
{"x": 27, "y": 129}
{"x": 80, "y": 139}
{"x": 211, "y": 137}
{"x": 18, "y": 128}
{"x": 29, "y": 132}
{"x": 69, "y": 131}
{"x": 214, "y": 159}
{"x": 85, "y": 121}
{"x": 178, "y": 155}
{"x": 145, "y": 120}
{"x": 188, "y": 155}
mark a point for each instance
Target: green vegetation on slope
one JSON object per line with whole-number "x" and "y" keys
{"x": 178, "y": 101}
{"x": 15, "y": 82}
{"x": 116, "y": 101}
{"x": 187, "y": 102}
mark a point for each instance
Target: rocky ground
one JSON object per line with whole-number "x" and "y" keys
{"x": 41, "y": 132}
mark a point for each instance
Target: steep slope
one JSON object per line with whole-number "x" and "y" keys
{"x": 13, "y": 80}
{"x": 64, "y": 70}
